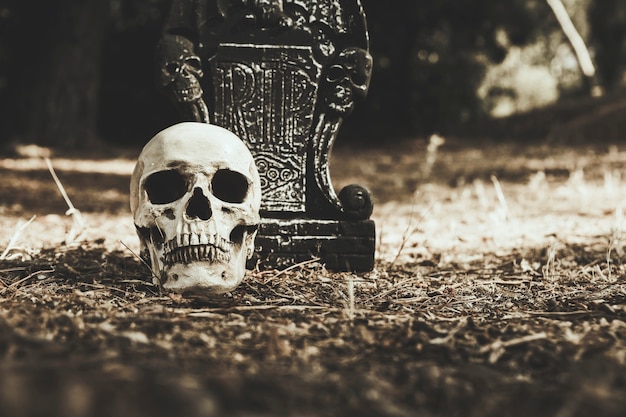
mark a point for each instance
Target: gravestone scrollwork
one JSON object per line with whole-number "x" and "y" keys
{"x": 282, "y": 75}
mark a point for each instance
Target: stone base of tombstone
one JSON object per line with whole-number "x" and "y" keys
{"x": 339, "y": 245}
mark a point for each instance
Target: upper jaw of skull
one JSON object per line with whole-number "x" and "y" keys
{"x": 197, "y": 242}
{"x": 187, "y": 257}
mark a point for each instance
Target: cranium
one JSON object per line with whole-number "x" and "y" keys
{"x": 195, "y": 196}
{"x": 348, "y": 79}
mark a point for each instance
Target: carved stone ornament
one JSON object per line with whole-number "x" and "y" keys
{"x": 282, "y": 75}
{"x": 195, "y": 198}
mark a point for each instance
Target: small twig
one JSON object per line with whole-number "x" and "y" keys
{"x": 408, "y": 232}
{"x": 210, "y": 311}
{"x": 549, "y": 269}
{"x": 562, "y": 313}
{"x": 395, "y": 287}
{"x": 19, "y": 229}
{"x": 59, "y": 184}
{"x": 434, "y": 142}
{"x": 102, "y": 287}
{"x": 512, "y": 342}
{"x": 144, "y": 263}
{"x": 12, "y": 269}
{"x": 612, "y": 242}
{"x": 445, "y": 339}
{"x": 292, "y": 267}
{"x": 77, "y": 218}
{"x": 523, "y": 339}
{"x": 498, "y": 347}
{"x": 507, "y": 282}
{"x": 501, "y": 198}
{"x": 351, "y": 297}
{"x": 26, "y": 278}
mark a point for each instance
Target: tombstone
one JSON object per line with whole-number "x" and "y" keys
{"x": 282, "y": 75}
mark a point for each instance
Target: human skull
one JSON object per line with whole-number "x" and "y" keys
{"x": 348, "y": 79}
{"x": 180, "y": 69}
{"x": 195, "y": 196}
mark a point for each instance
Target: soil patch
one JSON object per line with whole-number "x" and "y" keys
{"x": 498, "y": 290}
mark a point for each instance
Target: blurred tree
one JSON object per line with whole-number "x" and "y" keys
{"x": 72, "y": 71}
{"x": 429, "y": 58}
{"x": 131, "y": 108}
{"x": 51, "y": 67}
{"x": 607, "y": 19}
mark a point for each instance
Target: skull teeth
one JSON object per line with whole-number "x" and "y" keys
{"x": 192, "y": 247}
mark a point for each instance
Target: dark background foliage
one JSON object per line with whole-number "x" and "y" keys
{"x": 74, "y": 72}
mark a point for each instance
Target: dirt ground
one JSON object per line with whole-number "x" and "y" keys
{"x": 499, "y": 290}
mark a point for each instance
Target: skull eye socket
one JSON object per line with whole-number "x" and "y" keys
{"x": 335, "y": 73}
{"x": 164, "y": 187}
{"x": 229, "y": 186}
{"x": 194, "y": 62}
{"x": 172, "y": 67}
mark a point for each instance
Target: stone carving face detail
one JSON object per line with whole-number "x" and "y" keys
{"x": 181, "y": 70}
{"x": 348, "y": 78}
{"x": 195, "y": 198}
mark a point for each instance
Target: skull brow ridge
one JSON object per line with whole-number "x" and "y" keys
{"x": 184, "y": 166}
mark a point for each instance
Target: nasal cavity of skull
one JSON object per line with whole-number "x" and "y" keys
{"x": 229, "y": 186}
{"x": 199, "y": 206}
{"x": 165, "y": 187}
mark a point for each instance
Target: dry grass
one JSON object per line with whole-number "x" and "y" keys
{"x": 499, "y": 289}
